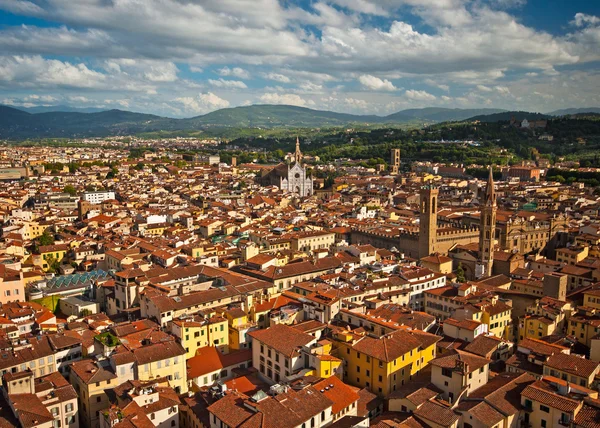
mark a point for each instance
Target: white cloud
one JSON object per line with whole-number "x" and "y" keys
{"x": 310, "y": 87}
{"x": 166, "y": 72}
{"x": 40, "y": 98}
{"x": 358, "y": 104}
{"x": 419, "y": 95}
{"x": 483, "y": 88}
{"x": 35, "y": 71}
{"x": 277, "y": 77}
{"x": 196, "y": 69}
{"x": 503, "y": 90}
{"x": 80, "y": 99}
{"x": 288, "y": 99}
{"x": 202, "y": 103}
{"x": 375, "y": 83}
{"x": 582, "y": 19}
{"x": 230, "y": 84}
{"x": 234, "y": 72}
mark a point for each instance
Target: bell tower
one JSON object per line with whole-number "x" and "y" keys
{"x": 298, "y": 154}
{"x": 428, "y": 220}
{"x": 487, "y": 228}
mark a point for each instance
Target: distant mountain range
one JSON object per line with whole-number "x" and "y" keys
{"x": 61, "y": 108}
{"x": 20, "y": 124}
{"x": 568, "y": 111}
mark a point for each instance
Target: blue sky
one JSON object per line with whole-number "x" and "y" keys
{"x": 183, "y": 58}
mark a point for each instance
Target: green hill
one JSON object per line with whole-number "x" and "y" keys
{"x": 18, "y": 124}
{"x": 508, "y": 115}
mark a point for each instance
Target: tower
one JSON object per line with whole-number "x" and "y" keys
{"x": 428, "y": 220}
{"x": 487, "y": 229}
{"x": 298, "y": 154}
{"x": 395, "y": 161}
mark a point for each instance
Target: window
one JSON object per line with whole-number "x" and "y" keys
{"x": 55, "y": 411}
{"x": 447, "y": 372}
{"x": 544, "y": 424}
{"x": 544, "y": 408}
{"x": 69, "y": 407}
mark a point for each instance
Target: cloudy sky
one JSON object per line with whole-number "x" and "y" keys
{"x": 188, "y": 57}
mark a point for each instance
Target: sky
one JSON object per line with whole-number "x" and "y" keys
{"x": 183, "y": 58}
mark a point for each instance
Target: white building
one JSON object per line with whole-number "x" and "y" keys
{"x": 98, "y": 197}
{"x": 421, "y": 280}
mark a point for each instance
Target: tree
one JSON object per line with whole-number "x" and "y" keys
{"x": 70, "y": 190}
{"x": 53, "y": 264}
{"x": 460, "y": 273}
{"x": 46, "y": 238}
{"x": 112, "y": 173}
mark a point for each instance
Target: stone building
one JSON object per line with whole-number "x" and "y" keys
{"x": 291, "y": 178}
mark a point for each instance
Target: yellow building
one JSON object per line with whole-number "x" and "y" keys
{"x": 309, "y": 241}
{"x": 584, "y": 325}
{"x": 498, "y": 316}
{"x": 49, "y": 254}
{"x": 591, "y": 298}
{"x": 384, "y": 364}
{"x": 545, "y": 317}
{"x": 535, "y": 327}
{"x": 162, "y": 360}
{"x": 239, "y": 325}
{"x": 33, "y": 229}
{"x": 197, "y": 332}
{"x": 90, "y": 381}
{"x": 572, "y": 255}
{"x": 572, "y": 368}
{"x": 154, "y": 229}
{"x": 551, "y": 402}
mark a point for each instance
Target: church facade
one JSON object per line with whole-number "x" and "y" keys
{"x": 292, "y": 177}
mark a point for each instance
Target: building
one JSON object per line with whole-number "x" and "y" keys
{"x": 290, "y": 178}
{"x": 210, "y": 365}
{"x": 383, "y": 364}
{"x": 197, "y": 332}
{"x": 307, "y": 407}
{"x": 487, "y": 231}
{"x": 141, "y": 404}
{"x": 551, "y": 402}
{"x": 46, "y": 402}
{"x": 523, "y": 173}
{"x": 95, "y": 198}
{"x": 395, "y": 161}
{"x": 574, "y": 369}
{"x": 458, "y": 374}
{"x": 277, "y": 351}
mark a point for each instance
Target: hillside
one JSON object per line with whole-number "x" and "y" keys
{"x": 18, "y": 124}
{"x": 568, "y": 111}
{"x": 508, "y": 115}
{"x": 438, "y": 114}
{"x": 276, "y": 116}
{"x": 61, "y": 108}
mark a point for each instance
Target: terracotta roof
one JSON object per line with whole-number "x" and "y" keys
{"x": 338, "y": 392}
{"x": 437, "y": 412}
{"x": 282, "y": 338}
{"x": 473, "y": 362}
{"x": 572, "y": 365}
